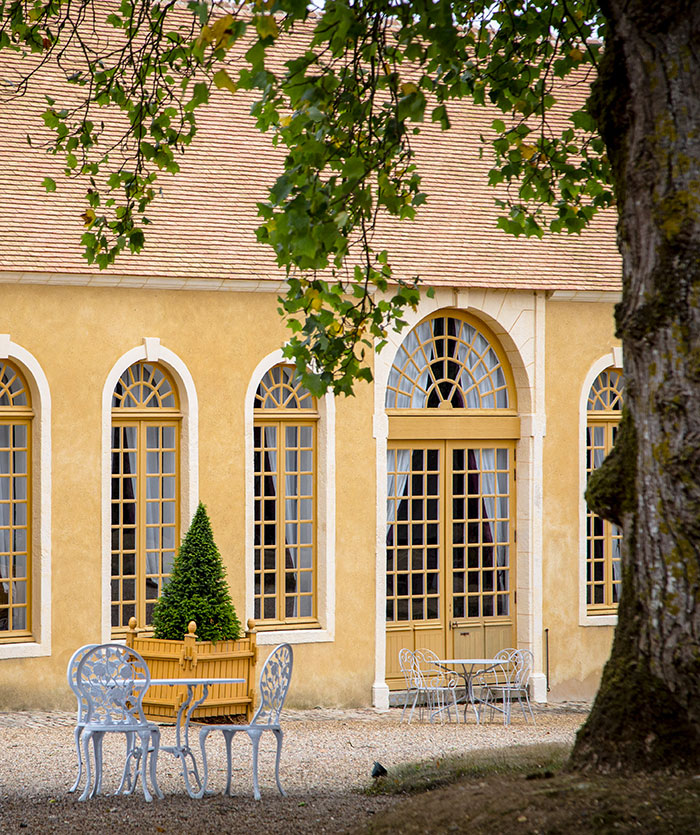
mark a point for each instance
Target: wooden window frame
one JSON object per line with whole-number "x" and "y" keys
{"x": 282, "y": 418}
{"x": 20, "y": 415}
{"x": 142, "y": 418}
{"x": 608, "y": 419}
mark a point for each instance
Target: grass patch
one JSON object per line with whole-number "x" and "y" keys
{"x": 532, "y": 761}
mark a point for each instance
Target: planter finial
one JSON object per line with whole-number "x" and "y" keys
{"x": 188, "y": 655}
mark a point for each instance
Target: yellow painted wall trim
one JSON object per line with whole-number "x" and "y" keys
{"x": 454, "y": 426}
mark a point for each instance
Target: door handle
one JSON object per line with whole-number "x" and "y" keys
{"x": 463, "y": 633}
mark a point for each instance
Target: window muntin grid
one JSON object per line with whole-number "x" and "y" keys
{"x": 15, "y": 504}
{"x": 144, "y": 385}
{"x": 606, "y": 394}
{"x": 145, "y": 491}
{"x": 447, "y": 362}
{"x": 603, "y": 538}
{"x": 281, "y": 388}
{"x": 285, "y": 530}
{"x": 455, "y": 499}
{"x": 13, "y": 389}
{"x": 414, "y": 534}
{"x": 481, "y": 534}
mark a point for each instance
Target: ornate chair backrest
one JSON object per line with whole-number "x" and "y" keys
{"x": 274, "y": 684}
{"x": 523, "y": 662}
{"x": 516, "y": 667}
{"x": 407, "y": 661}
{"x": 113, "y": 678}
{"x": 431, "y": 670}
{"x": 72, "y": 676}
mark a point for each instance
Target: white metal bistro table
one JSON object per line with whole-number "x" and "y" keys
{"x": 469, "y": 668}
{"x": 181, "y": 750}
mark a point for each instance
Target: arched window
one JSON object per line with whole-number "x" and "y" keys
{"x": 450, "y": 539}
{"x": 145, "y": 489}
{"x": 15, "y": 503}
{"x": 603, "y": 539}
{"x": 285, "y": 537}
{"x": 446, "y": 362}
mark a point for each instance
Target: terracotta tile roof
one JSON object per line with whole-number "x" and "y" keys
{"x": 203, "y": 224}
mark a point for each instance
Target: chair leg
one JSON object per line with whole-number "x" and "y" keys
{"x": 78, "y": 732}
{"x": 144, "y": 737}
{"x": 279, "y": 735}
{"x": 97, "y": 740}
{"x": 155, "y": 736}
{"x": 88, "y": 767}
{"x": 413, "y": 706}
{"x": 203, "y": 734}
{"x": 228, "y": 738}
{"x": 132, "y": 753}
{"x": 255, "y": 739}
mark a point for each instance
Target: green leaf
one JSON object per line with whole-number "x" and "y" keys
{"x": 224, "y": 81}
{"x": 49, "y": 184}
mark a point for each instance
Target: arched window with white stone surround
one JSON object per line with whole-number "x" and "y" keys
{"x": 145, "y": 491}
{"x": 603, "y": 538}
{"x": 450, "y": 541}
{"x": 447, "y": 362}
{"x": 285, "y": 495}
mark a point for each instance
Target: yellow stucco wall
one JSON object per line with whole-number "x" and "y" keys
{"x": 77, "y": 334}
{"x": 577, "y": 335}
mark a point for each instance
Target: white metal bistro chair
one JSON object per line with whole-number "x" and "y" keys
{"x": 112, "y": 679}
{"x": 506, "y": 681}
{"x": 274, "y": 684}
{"x": 439, "y": 684}
{"x": 412, "y": 680}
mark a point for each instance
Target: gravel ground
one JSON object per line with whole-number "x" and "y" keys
{"x": 327, "y": 756}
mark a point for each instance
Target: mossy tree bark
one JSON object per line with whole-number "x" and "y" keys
{"x": 647, "y": 712}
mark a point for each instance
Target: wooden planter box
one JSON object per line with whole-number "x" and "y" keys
{"x": 192, "y": 658}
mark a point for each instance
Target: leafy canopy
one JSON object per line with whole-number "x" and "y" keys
{"x": 343, "y": 88}
{"x": 197, "y": 590}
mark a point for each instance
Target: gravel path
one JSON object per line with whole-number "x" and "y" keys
{"x": 327, "y": 755}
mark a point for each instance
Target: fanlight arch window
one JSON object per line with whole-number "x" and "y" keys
{"x": 285, "y": 421}
{"x": 603, "y": 539}
{"x": 447, "y": 362}
{"x": 15, "y": 503}
{"x": 145, "y": 490}
{"x": 281, "y": 388}
{"x": 144, "y": 385}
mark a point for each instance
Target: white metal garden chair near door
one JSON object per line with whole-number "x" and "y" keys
{"x": 112, "y": 679}
{"x": 412, "y": 682}
{"x": 506, "y": 681}
{"x": 439, "y": 684}
{"x": 274, "y": 684}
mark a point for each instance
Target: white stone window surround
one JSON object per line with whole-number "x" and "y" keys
{"x": 325, "y": 531}
{"x": 40, "y": 644}
{"x": 517, "y": 319}
{"x": 610, "y": 360}
{"x": 151, "y": 351}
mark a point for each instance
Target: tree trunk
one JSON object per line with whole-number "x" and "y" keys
{"x": 647, "y": 712}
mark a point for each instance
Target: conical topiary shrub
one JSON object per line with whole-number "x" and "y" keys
{"x": 197, "y": 590}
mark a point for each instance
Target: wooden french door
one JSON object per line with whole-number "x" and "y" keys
{"x": 450, "y": 549}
